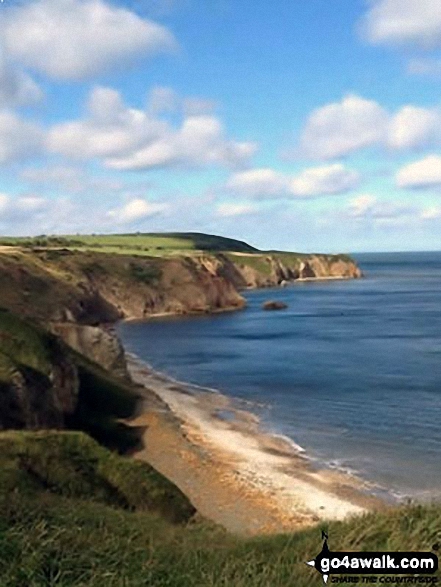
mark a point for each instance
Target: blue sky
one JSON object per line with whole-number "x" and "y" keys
{"x": 309, "y": 126}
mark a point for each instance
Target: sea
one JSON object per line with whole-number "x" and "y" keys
{"x": 350, "y": 371}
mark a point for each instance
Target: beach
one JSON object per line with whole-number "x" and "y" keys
{"x": 234, "y": 472}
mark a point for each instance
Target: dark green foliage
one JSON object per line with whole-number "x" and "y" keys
{"x": 144, "y": 273}
{"x": 102, "y": 402}
{"x": 211, "y": 242}
{"x": 72, "y": 465}
{"x": 24, "y": 344}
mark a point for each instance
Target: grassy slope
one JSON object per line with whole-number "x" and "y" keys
{"x": 102, "y": 401}
{"x": 23, "y": 345}
{"x": 72, "y": 514}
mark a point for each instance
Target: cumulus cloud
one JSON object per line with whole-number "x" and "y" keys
{"x": 403, "y": 22}
{"x": 130, "y": 139}
{"x": 77, "y": 39}
{"x": 136, "y": 209}
{"x": 230, "y": 210}
{"x": 361, "y": 205}
{"x": 433, "y": 213}
{"x": 312, "y": 182}
{"x": 331, "y": 179}
{"x": 414, "y": 127}
{"x": 16, "y": 87}
{"x": 163, "y": 99}
{"x": 73, "y": 179}
{"x": 339, "y": 129}
{"x": 19, "y": 139}
{"x": 4, "y": 200}
{"x": 258, "y": 183}
{"x": 21, "y": 207}
{"x": 369, "y": 207}
{"x": 424, "y": 173}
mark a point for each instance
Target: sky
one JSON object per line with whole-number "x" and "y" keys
{"x": 307, "y": 126}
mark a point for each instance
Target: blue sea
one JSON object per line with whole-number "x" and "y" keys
{"x": 351, "y": 371}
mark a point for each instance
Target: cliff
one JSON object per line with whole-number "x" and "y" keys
{"x": 38, "y": 380}
{"x": 77, "y": 294}
{"x": 92, "y": 288}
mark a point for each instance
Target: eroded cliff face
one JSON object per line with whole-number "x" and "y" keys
{"x": 255, "y": 271}
{"x": 75, "y": 293}
{"x": 92, "y": 289}
{"x": 38, "y": 380}
{"x": 99, "y": 344}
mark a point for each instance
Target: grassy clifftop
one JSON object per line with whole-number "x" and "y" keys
{"x": 96, "y": 279}
{"x": 157, "y": 244}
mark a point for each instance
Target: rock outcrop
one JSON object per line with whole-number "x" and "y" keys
{"x": 100, "y": 344}
{"x": 274, "y": 305}
{"x": 39, "y": 383}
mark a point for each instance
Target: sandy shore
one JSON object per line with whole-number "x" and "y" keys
{"x": 236, "y": 474}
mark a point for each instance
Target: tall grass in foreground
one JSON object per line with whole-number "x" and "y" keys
{"x": 74, "y": 514}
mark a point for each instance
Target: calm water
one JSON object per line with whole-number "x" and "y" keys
{"x": 351, "y": 371}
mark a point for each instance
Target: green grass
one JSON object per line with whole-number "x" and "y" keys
{"x": 150, "y": 244}
{"x": 103, "y": 400}
{"x": 72, "y": 465}
{"x": 22, "y": 344}
{"x": 256, "y": 262}
{"x": 71, "y": 514}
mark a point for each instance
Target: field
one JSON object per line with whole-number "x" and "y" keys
{"x": 148, "y": 244}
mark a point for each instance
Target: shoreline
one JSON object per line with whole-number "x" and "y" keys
{"x": 235, "y": 473}
{"x": 228, "y": 309}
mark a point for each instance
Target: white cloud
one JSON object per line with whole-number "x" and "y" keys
{"x": 30, "y": 203}
{"x": 228, "y": 210}
{"x": 73, "y": 179}
{"x": 367, "y": 206}
{"x": 433, "y": 213}
{"x": 331, "y": 179}
{"x": 16, "y": 87}
{"x": 165, "y": 100}
{"x": 361, "y": 205}
{"x": 339, "y": 129}
{"x": 316, "y": 181}
{"x": 343, "y": 127}
{"x": 414, "y": 127}
{"x": 136, "y": 210}
{"x": 130, "y": 139}
{"x": 404, "y": 22}
{"x": 19, "y": 139}
{"x": 4, "y": 200}
{"x": 258, "y": 183}
{"x": 18, "y": 208}
{"x": 162, "y": 99}
{"x": 424, "y": 173}
{"x": 77, "y": 39}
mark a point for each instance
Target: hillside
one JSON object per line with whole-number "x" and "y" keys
{"x": 73, "y": 514}
{"x": 157, "y": 244}
{"x": 104, "y": 278}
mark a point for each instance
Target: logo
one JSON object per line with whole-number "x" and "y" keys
{"x": 420, "y": 564}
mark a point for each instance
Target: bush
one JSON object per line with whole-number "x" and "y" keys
{"x": 147, "y": 274}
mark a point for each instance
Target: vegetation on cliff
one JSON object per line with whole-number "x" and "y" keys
{"x": 96, "y": 279}
{"x": 72, "y": 514}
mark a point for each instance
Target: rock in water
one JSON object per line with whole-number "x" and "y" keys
{"x": 273, "y": 305}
